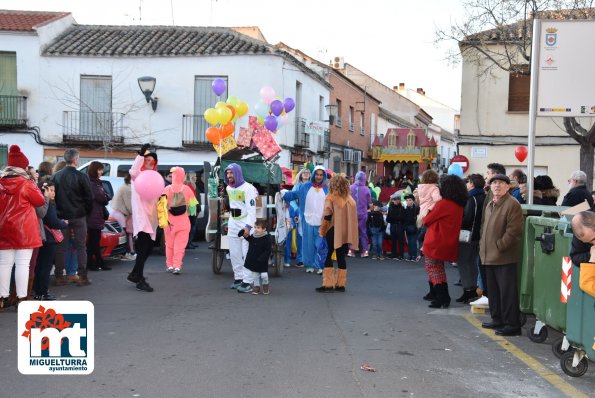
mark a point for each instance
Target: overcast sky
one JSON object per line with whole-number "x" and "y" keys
{"x": 391, "y": 40}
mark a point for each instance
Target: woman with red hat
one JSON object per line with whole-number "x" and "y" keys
{"x": 19, "y": 228}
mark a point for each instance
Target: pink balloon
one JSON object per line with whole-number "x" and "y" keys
{"x": 149, "y": 185}
{"x": 267, "y": 94}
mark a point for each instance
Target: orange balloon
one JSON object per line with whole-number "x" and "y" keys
{"x": 227, "y": 130}
{"x": 213, "y": 135}
{"x": 233, "y": 111}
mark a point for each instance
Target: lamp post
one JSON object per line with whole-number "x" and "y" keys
{"x": 147, "y": 86}
{"x": 331, "y": 109}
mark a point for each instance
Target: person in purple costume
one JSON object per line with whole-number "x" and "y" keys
{"x": 363, "y": 201}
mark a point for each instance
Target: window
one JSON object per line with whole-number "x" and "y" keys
{"x": 411, "y": 139}
{"x": 351, "y": 113}
{"x": 372, "y": 127}
{"x": 519, "y": 85}
{"x": 204, "y": 98}
{"x": 321, "y": 108}
{"x": 8, "y": 73}
{"x": 362, "y": 130}
{"x": 392, "y": 139}
{"x": 338, "y": 121}
{"x": 96, "y": 106}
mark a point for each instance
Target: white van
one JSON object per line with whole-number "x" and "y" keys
{"x": 117, "y": 169}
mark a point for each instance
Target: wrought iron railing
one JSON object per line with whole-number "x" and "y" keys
{"x": 193, "y": 130}
{"x": 99, "y": 127}
{"x": 325, "y": 144}
{"x": 13, "y": 111}
{"x": 302, "y": 139}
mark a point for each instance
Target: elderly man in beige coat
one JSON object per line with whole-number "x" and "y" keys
{"x": 501, "y": 233}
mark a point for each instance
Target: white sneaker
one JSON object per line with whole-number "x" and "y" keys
{"x": 309, "y": 270}
{"x": 170, "y": 269}
{"x": 287, "y": 265}
{"x": 482, "y": 301}
{"x": 319, "y": 272}
{"x": 128, "y": 257}
{"x": 177, "y": 271}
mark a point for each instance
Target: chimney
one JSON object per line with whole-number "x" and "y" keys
{"x": 421, "y": 91}
{"x": 401, "y": 86}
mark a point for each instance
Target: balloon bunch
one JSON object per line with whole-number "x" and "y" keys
{"x": 272, "y": 111}
{"x": 223, "y": 116}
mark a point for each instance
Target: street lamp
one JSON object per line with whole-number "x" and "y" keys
{"x": 147, "y": 86}
{"x": 331, "y": 109}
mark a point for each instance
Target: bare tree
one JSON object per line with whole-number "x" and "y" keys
{"x": 499, "y": 31}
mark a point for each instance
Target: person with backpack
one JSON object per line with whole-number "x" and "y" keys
{"x": 177, "y": 231}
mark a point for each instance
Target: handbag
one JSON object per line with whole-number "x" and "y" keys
{"x": 56, "y": 234}
{"x": 465, "y": 234}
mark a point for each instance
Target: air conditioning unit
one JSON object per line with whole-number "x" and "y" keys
{"x": 357, "y": 156}
{"x": 338, "y": 63}
{"x": 347, "y": 155}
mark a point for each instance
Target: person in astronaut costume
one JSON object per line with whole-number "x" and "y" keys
{"x": 242, "y": 203}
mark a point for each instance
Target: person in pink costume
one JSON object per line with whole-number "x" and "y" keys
{"x": 428, "y": 191}
{"x": 178, "y": 230}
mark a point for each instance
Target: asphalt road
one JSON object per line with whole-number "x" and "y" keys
{"x": 194, "y": 337}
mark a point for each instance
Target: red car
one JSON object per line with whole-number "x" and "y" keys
{"x": 113, "y": 239}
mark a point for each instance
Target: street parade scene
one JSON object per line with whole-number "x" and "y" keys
{"x": 300, "y": 230}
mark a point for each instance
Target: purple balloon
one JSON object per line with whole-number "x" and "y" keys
{"x": 276, "y": 107}
{"x": 271, "y": 123}
{"x": 218, "y": 86}
{"x": 288, "y": 104}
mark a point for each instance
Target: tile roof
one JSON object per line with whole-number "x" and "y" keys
{"x": 421, "y": 139}
{"x": 26, "y": 21}
{"x": 157, "y": 41}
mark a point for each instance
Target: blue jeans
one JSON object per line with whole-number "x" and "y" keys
{"x": 376, "y": 241}
{"x": 411, "y": 231}
{"x": 71, "y": 264}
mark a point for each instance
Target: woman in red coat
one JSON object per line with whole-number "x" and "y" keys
{"x": 441, "y": 243}
{"x": 19, "y": 227}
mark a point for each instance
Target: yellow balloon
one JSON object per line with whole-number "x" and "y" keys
{"x": 220, "y": 104}
{"x": 225, "y": 115}
{"x": 212, "y": 116}
{"x": 242, "y": 108}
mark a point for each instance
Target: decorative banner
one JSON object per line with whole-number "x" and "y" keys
{"x": 566, "y": 285}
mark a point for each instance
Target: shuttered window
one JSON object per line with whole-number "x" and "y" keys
{"x": 96, "y": 106}
{"x": 519, "y": 84}
{"x": 8, "y": 73}
{"x": 205, "y": 98}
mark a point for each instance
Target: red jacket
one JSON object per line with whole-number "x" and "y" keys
{"x": 19, "y": 227}
{"x": 443, "y": 226}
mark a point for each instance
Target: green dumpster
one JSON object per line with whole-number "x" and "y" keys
{"x": 580, "y": 329}
{"x": 526, "y": 270}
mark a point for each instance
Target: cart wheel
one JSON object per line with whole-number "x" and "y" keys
{"x": 537, "y": 338}
{"x": 523, "y": 319}
{"x": 217, "y": 260}
{"x": 557, "y": 347}
{"x": 566, "y": 364}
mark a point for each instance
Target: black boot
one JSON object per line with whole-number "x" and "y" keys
{"x": 431, "y": 294}
{"x": 467, "y": 296}
{"x": 442, "y": 297}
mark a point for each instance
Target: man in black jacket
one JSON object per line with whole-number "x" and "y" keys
{"x": 395, "y": 217}
{"x": 74, "y": 202}
{"x": 578, "y": 190}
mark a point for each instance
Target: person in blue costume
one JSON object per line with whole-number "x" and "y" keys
{"x": 302, "y": 177}
{"x": 310, "y": 196}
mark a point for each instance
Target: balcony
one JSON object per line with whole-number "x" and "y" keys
{"x": 13, "y": 111}
{"x": 325, "y": 142}
{"x": 193, "y": 131}
{"x": 302, "y": 139}
{"x": 93, "y": 127}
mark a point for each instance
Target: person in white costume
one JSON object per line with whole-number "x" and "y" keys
{"x": 242, "y": 204}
